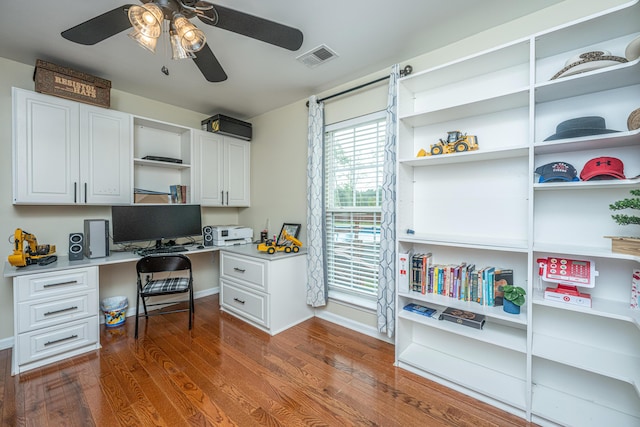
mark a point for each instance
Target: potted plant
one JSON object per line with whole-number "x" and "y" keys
{"x": 513, "y": 298}
{"x": 626, "y": 245}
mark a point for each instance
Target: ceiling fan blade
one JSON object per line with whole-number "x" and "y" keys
{"x": 99, "y": 28}
{"x": 209, "y": 65}
{"x": 252, "y": 26}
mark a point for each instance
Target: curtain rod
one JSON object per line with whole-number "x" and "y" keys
{"x": 404, "y": 72}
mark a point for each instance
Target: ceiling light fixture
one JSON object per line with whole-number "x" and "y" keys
{"x": 146, "y": 20}
{"x": 173, "y": 17}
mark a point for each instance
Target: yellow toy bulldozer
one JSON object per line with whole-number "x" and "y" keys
{"x": 271, "y": 246}
{"x": 456, "y": 142}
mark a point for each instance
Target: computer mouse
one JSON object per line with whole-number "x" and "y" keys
{"x": 200, "y": 247}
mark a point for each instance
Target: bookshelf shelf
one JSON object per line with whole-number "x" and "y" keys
{"x": 601, "y": 361}
{"x": 489, "y": 384}
{"x": 491, "y": 312}
{"x": 494, "y": 333}
{"x": 583, "y": 410}
{"x": 469, "y": 156}
{"x": 494, "y": 103}
{"x": 601, "y": 307}
{"x": 158, "y": 164}
{"x": 487, "y": 208}
{"x": 486, "y": 243}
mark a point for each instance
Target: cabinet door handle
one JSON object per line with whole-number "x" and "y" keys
{"x": 51, "y": 285}
{"x": 75, "y": 192}
{"x": 62, "y": 310}
{"x": 239, "y": 300}
{"x": 222, "y": 197}
{"x": 60, "y": 340}
{"x": 85, "y": 192}
{"x": 227, "y": 198}
{"x": 239, "y": 270}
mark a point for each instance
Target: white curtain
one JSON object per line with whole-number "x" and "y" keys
{"x": 386, "y": 271}
{"x": 317, "y": 292}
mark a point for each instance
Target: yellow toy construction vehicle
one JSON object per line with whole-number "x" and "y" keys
{"x": 456, "y": 142}
{"x": 271, "y": 246}
{"x": 32, "y": 253}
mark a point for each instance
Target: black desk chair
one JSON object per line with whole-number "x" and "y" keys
{"x": 178, "y": 278}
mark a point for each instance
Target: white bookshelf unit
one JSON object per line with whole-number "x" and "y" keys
{"x": 154, "y": 138}
{"x": 554, "y": 363}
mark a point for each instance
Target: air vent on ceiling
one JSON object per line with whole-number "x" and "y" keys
{"x": 317, "y": 56}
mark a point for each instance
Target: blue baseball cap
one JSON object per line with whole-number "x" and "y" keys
{"x": 557, "y": 171}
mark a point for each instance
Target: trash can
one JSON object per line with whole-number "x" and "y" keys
{"x": 114, "y": 310}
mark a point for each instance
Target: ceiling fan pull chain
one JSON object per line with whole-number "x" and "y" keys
{"x": 165, "y": 31}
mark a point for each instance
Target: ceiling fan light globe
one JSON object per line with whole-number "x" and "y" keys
{"x": 148, "y": 43}
{"x": 146, "y": 19}
{"x": 193, "y": 40}
{"x": 191, "y": 37}
{"x": 177, "y": 51}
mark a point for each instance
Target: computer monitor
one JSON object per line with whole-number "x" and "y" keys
{"x": 138, "y": 223}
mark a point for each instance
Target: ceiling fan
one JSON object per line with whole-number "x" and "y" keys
{"x": 150, "y": 20}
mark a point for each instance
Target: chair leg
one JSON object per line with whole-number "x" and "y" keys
{"x": 137, "y": 310}
{"x": 144, "y": 305}
{"x": 190, "y": 308}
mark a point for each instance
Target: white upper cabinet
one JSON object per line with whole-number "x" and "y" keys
{"x": 222, "y": 170}
{"x": 69, "y": 153}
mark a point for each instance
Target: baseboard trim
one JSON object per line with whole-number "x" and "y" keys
{"x": 355, "y": 326}
{"x": 6, "y": 343}
{"x": 131, "y": 310}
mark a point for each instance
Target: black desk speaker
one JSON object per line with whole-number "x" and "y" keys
{"x": 207, "y": 235}
{"x": 76, "y": 246}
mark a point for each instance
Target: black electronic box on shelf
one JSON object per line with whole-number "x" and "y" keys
{"x": 229, "y": 126}
{"x": 163, "y": 159}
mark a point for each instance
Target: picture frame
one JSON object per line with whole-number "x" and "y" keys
{"x": 292, "y": 229}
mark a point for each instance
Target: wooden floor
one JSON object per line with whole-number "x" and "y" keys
{"x": 228, "y": 373}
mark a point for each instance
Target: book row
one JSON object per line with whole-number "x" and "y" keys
{"x": 464, "y": 281}
{"x": 178, "y": 193}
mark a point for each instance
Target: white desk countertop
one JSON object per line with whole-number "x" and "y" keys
{"x": 63, "y": 262}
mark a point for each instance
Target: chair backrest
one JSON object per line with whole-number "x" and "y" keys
{"x": 163, "y": 262}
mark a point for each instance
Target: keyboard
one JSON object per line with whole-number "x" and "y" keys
{"x": 162, "y": 250}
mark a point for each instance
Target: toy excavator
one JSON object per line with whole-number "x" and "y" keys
{"x": 33, "y": 253}
{"x": 271, "y": 245}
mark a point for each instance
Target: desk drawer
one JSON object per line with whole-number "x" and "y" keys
{"x": 57, "y": 339}
{"x": 248, "y": 304}
{"x": 249, "y": 272}
{"x": 42, "y": 313}
{"x": 46, "y": 285}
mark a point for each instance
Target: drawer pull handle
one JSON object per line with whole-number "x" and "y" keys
{"x": 239, "y": 300}
{"x": 62, "y": 310}
{"x": 239, "y": 270}
{"x": 70, "y": 282}
{"x": 60, "y": 340}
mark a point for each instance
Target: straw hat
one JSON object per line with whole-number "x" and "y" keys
{"x": 632, "y": 52}
{"x": 633, "y": 122}
{"x": 588, "y": 61}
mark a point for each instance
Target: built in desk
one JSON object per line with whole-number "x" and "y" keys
{"x": 56, "y": 308}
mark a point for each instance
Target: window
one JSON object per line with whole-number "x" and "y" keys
{"x": 354, "y": 155}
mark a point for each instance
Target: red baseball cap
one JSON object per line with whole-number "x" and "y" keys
{"x": 603, "y": 168}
